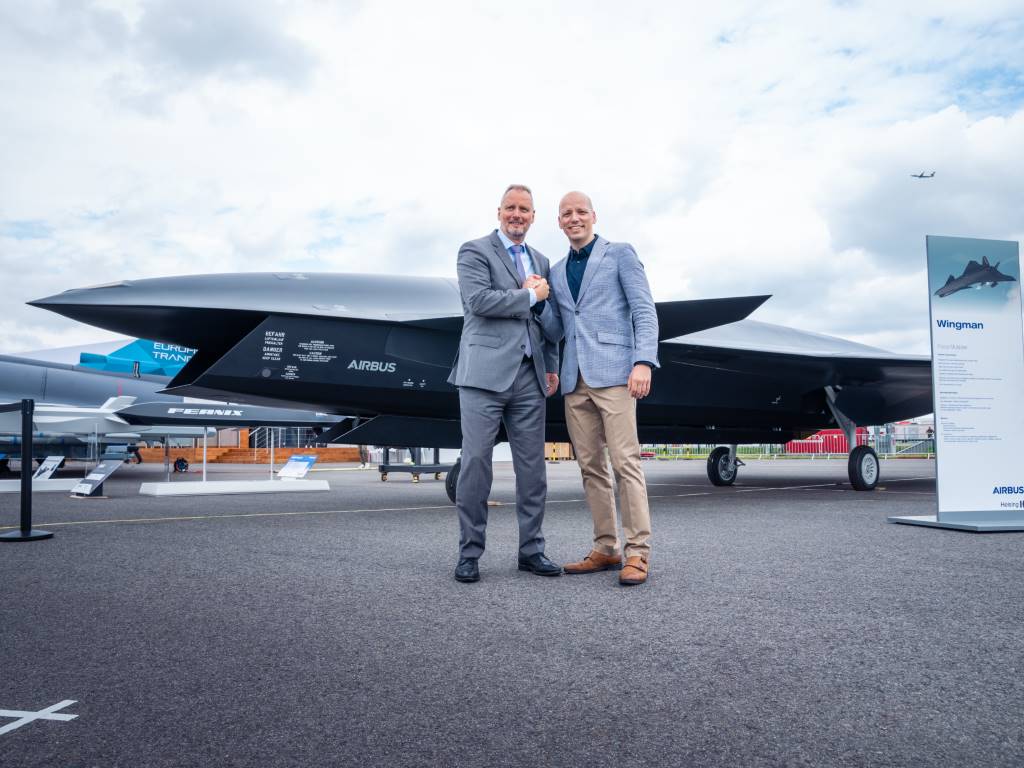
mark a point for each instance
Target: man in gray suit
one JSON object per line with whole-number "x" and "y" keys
{"x": 601, "y": 304}
{"x": 504, "y": 370}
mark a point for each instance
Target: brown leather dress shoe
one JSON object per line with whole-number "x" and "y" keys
{"x": 634, "y": 572}
{"x": 594, "y": 562}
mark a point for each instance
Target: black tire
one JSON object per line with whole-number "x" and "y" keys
{"x": 451, "y": 480}
{"x": 863, "y": 468}
{"x": 181, "y": 464}
{"x": 720, "y": 470}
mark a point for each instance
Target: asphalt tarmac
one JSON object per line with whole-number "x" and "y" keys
{"x": 785, "y": 624}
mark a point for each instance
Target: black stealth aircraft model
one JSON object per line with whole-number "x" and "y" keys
{"x": 381, "y": 347}
{"x": 975, "y": 275}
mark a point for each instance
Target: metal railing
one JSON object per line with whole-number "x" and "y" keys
{"x": 818, "y": 447}
{"x": 284, "y": 437}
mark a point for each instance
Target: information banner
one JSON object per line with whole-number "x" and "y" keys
{"x": 977, "y": 330}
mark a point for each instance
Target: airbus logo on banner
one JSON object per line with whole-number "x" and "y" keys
{"x": 1001, "y": 489}
{"x": 205, "y": 411}
{"x": 372, "y": 365}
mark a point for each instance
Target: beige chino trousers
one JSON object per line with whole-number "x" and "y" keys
{"x": 606, "y": 417}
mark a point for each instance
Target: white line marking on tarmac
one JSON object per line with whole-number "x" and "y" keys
{"x": 754, "y": 489}
{"x": 24, "y": 718}
{"x": 678, "y": 485}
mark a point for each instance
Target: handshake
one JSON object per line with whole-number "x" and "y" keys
{"x": 540, "y": 286}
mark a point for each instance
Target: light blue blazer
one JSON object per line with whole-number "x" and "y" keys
{"x": 611, "y": 327}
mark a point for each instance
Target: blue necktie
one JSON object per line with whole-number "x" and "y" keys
{"x": 517, "y": 251}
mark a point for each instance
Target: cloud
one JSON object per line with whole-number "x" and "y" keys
{"x": 231, "y": 39}
{"x": 743, "y": 148}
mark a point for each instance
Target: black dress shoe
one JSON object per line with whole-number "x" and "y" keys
{"x": 540, "y": 565}
{"x": 467, "y": 570}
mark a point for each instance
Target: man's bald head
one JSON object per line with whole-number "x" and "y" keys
{"x": 575, "y": 198}
{"x": 576, "y": 218}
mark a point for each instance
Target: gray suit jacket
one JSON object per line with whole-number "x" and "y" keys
{"x": 612, "y": 326}
{"x": 497, "y": 318}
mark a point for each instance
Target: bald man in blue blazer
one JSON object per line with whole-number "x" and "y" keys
{"x": 601, "y": 305}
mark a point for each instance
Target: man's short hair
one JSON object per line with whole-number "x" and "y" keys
{"x": 520, "y": 187}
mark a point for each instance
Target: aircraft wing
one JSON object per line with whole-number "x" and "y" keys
{"x": 873, "y": 386}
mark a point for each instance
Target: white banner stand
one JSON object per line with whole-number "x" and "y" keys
{"x": 977, "y": 331}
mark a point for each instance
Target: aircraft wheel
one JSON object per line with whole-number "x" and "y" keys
{"x": 721, "y": 471}
{"x": 415, "y": 478}
{"x": 181, "y": 464}
{"x": 437, "y": 475}
{"x": 383, "y": 477}
{"x": 451, "y": 480}
{"x": 863, "y": 468}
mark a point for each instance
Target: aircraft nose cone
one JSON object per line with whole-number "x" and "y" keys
{"x": 95, "y": 294}
{"x": 134, "y": 309}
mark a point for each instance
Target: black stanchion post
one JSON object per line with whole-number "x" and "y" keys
{"x": 26, "y": 533}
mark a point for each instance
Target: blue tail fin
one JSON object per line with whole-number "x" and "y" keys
{"x": 153, "y": 357}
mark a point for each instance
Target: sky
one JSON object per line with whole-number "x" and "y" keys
{"x": 741, "y": 147}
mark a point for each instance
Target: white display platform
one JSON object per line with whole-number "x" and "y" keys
{"x": 978, "y": 523}
{"x": 60, "y": 484}
{"x": 218, "y": 487}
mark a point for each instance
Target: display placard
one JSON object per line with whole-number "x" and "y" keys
{"x": 48, "y": 467}
{"x": 977, "y": 334}
{"x": 296, "y": 467}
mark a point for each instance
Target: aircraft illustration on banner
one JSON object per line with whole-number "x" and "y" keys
{"x": 975, "y": 275}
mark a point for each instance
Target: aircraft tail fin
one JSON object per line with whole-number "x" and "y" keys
{"x": 679, "y": 318}
{"x": 675, "y": 318}
{"x": 116, "y": 403}
{"x": 140, "y": 356}
{"x": 984, "y": 262}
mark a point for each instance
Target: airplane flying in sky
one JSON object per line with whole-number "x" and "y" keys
{"x": 975, "y": 275}
{"x": 382, "y": 346}
{"x": 922, "y": 175}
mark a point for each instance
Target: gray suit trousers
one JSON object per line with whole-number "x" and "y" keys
{"x": 521, "y": 407}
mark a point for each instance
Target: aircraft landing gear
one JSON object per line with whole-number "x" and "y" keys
{"x": 451, "y": 481}
{"x": 723, "y": 465}
{"x": 863, "y": 468}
